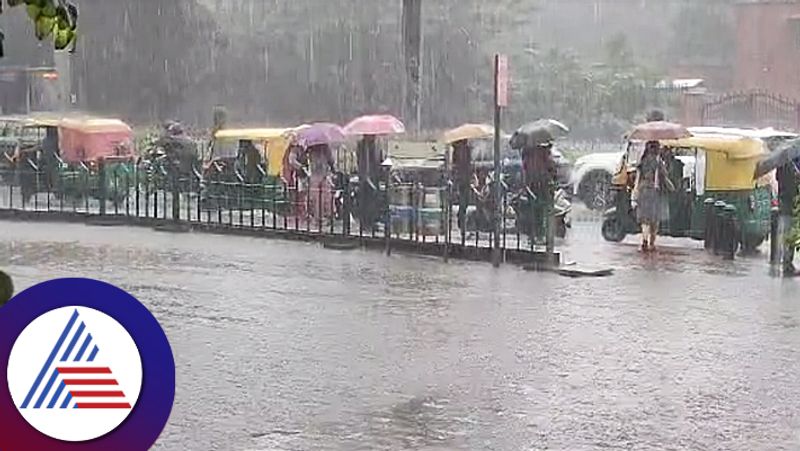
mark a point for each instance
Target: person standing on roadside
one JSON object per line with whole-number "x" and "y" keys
{"x": 539, "y": 171}
{"x": 462, "y": 177}
{"x": 787, "y": 177}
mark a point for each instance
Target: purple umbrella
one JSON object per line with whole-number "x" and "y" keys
{"x": 319, "y": 133}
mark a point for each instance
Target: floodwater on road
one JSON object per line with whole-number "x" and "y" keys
{"x": 286, "y": 346}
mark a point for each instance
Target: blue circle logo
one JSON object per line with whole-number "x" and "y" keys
{"x": 87, "y": 366}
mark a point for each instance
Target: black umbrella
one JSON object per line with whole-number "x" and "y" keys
{"x": 786, "y": 154}
{"x": 538, "y": 133}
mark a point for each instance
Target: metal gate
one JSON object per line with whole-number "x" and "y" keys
{"x": 756, "y": 109}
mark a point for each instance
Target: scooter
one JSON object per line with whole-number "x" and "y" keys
{"x": 562, "y": 208}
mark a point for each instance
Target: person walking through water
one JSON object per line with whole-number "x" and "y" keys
{"x": 649, "y": 198}
{"x": 462, "y": 176}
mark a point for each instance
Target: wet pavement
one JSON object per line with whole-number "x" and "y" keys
{"x": 286, "y": 346}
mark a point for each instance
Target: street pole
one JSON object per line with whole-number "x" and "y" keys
{"x": 500, "y": 99}
{"x": 412, "y": 46}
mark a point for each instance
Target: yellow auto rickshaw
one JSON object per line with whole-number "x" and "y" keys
{"x": 242, "y": 167}
{"x": 717, "y": 167}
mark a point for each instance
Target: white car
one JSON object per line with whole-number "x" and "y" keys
{"x": 591, "y": 178}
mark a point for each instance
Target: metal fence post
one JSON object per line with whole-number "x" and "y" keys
{"x": 102, "y": 191}
{"x": 176, "y": 198}
{"x": 387, "y": 229}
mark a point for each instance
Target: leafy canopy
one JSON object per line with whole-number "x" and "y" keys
{"x": 56, "y": 18}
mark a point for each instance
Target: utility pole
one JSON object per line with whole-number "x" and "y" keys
{"x": 412, "y": 49}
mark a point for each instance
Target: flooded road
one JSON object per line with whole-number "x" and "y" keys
{"x": 286, "y": 346}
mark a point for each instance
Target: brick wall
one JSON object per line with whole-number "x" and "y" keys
{"x": 768, "y": 47}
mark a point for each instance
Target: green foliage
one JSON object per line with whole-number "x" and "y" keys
{"x": 596, "y": 100}
{"x": 56, "y": 18}
{"x": 6, "y": 288}
{"x": 794, "y": 235}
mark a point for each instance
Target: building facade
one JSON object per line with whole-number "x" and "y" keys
{"x": 768, "y": 47}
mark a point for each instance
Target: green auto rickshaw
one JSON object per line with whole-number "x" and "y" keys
{"x": 705, "y": 168}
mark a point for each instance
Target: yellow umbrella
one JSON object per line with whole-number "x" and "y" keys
{"x": 468, "y": 131}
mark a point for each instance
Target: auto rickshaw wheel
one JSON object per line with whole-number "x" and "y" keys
{"x": 613, "y": 230}
{"x": 750, "y": 244}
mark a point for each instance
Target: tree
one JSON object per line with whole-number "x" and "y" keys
{"x": 56, "y": 18}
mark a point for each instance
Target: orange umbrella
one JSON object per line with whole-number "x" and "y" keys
{"x": 468, "y": 131}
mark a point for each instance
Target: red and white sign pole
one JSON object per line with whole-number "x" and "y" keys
{"x": 500, "y": 101}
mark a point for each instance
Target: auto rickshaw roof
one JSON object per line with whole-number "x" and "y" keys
{"x": 736, "y": 147}
{"x": 96, "y": 125}
{"x": 33, "y": 122}
{"x": 757, "y": 133}
{"x": 252, "y": 133}
{"x": 14, "y": 118}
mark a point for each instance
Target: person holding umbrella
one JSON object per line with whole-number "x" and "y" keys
{"x": 460, "y": 139}
{"x": 369, "y": 128}
{"x": 295, "y": 176}
{"x": 648, "y": 198}
{"x": 785, "y": 161}
{"x": 317, "y": 139}
{"x": 369, "y": 166}
{"x": 535, "y": 142}
{"x": 321, "y": 165}
{"x": 787, "y": 176}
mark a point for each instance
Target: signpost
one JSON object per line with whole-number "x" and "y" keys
{"x": 500, "y": 101}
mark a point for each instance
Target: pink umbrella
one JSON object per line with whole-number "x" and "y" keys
{"x": 375, "y": 125}
{"x": 658, "y": 131}
{"x": 319, "y": 133}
